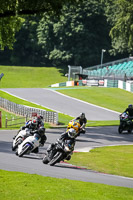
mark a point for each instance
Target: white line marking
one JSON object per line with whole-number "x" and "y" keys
{"x": 85, "y": 102}
{"x": 36, "y": 103}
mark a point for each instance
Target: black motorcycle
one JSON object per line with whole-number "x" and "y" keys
{"x": 126, "y": 124}
{"x": 61, "y": 150}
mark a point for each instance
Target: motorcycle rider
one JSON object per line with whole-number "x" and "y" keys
{"x": 82, "y": 120}
{"x": 41, "y": 132}
{"x": 70, "y": 134}
{"x": 129, "y": 111}
{"x": 30, "y": 125}
{"x": 33, "y": 124}
{"x": 40, "y": 121}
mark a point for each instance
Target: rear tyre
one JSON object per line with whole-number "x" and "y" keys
{"x": 120, "y": 129}
{"x": 36, "y": 150}
{"x": 129, "y": 131}
{"x": 45, "y": 160}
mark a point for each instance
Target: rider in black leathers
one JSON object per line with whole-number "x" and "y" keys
{"x": 41, "y": 133}
{"x": 70, "y": 135}
{"x": 82, "y": 120}
{"x": 129, "y": 111}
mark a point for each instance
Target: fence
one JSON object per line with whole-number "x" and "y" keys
{"x": 22, "y": 110}
{"x": 15, "y": 121}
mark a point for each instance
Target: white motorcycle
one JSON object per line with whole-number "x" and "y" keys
{"x": 20, "y": 137}
{"x": 28, "y": 145}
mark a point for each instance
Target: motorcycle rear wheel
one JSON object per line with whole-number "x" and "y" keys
{"x": 45, "y": 160}
{"x": 129, "y": 131}
{"x": 120, "y": 130}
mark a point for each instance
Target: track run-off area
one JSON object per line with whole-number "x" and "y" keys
{"x": 94, "y": 137}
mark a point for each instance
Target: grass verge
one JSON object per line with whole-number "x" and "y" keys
{"x": 111, "y": 98}
{"x": 20, "y": 77}
{"x": 117, "y": 160}
{"x": 17, "y": 185}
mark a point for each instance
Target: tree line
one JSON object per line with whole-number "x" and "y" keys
{"x": 73, "y": 33}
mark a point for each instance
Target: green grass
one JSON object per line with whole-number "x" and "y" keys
{"x": 16, "y": 185}
{"x": 103, "y": 123}
{"x": 30, "y": 77}
{"x": 116, "y": 160}
{"x": 111, "y": 98}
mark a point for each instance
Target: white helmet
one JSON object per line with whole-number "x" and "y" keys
{"x": 72, "y": 133}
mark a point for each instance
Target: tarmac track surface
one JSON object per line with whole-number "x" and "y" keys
{"x": 99, "y": 136}
{"x": 62, "y": 103}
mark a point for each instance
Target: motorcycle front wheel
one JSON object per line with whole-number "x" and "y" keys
{"x": 24, "y": 150}
{"x": 56, "y": 159}
{"x": 16, "y": 145}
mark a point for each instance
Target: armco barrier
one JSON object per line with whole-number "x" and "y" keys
{"x": 128, "y": 85}
{"x": 105, "y": 82}
{"x": 68, "y": 83}
{"x": 62, "y": 84}
{"x": 22, "y": 110}
{"x": 112, "y": 83}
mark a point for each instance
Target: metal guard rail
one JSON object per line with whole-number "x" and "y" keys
{"x": 22, "y": 110}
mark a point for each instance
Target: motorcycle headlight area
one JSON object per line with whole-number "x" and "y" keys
{"x": 67, "y": 148}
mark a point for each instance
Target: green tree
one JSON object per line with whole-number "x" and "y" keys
{"x": 8, "y": 28}
{"x": 26, "y": 49}
{"x": 11, "y": 10}
{"x": 78, "y": 37}
{"x": 120, "y": 17}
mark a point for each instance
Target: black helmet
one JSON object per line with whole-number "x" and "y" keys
{"x": 130, "y": 106}
{"x": 82, "y": 115}
{"x": 41, "y": 130}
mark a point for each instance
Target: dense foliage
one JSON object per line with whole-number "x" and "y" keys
{"x": 77, "y": 37}
{"x": 11, "y": 10}
{"x": 120, "y": 16}
{"x": 64, "y": 33}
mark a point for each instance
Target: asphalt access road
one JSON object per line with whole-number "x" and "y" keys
{"x": 99, "y": 136}
{"x": 62, "y": 103}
